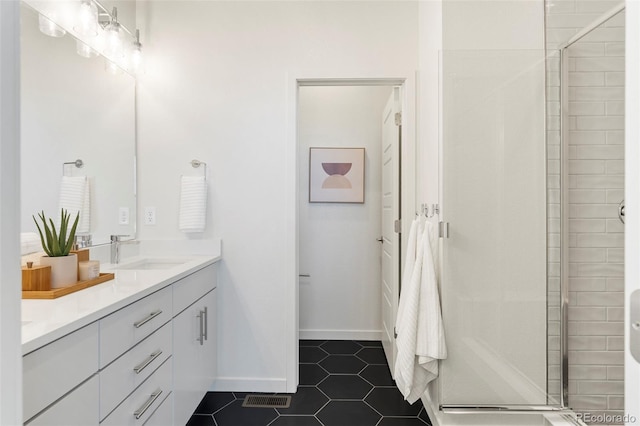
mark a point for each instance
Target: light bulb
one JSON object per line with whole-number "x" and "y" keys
{"x": 48, "y": 27}
{"x": 114, "y": 46}
{"x": 85, "y": 50}
{"x": 87, "y": 19}
{"x": 114, "y": 43}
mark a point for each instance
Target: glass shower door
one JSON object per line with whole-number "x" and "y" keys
{"x": 494, "y": 286}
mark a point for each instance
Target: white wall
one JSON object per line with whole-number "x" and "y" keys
{"x": 10, "y": 351}
{"x": 338, "y": 247}
{"x": 216, "y": 89}
{"x": 429, "y": 127}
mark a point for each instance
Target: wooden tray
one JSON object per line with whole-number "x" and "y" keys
{"x": 59, "y": 292}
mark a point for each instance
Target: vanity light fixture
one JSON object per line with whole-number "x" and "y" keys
{"x": 114, "y": 46}
{"x": 85, "y": 50}
{"x": 97, "y": 31}
{"x": 48, "y": 27}
{"x": 87, "y": 19}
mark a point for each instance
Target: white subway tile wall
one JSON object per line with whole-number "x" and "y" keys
{"x": 596, "y": 186}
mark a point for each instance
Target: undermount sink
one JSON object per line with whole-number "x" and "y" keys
{"x": 152, "y": 264}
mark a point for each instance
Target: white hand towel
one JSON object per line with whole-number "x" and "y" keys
{"x": 75, "y": 197}
{"x": 193, "y": 204}
{"x": 30, "y": 243}
{"x": 420, "y": 338}
{"x": 409, "y": 265}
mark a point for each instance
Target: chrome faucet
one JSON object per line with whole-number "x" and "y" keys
{"x": 116, "y": 241}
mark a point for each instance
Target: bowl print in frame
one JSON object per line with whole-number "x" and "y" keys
{"x": 336, "y": 175}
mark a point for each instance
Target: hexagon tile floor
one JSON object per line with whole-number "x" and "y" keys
{"x": 342, "y": 383}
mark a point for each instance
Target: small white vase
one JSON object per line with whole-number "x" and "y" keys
{"x": 64, "y": 269}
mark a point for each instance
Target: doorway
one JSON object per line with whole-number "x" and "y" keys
{"x": 338, "y": 252}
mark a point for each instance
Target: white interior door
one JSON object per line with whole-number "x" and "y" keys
{"x": 390, "y": 214}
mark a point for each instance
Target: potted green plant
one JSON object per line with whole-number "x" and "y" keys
{"x": 57, "y": 244}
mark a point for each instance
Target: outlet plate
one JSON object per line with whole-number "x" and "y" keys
{"x": 149, "y": 215}
{"x": 123, "y": 216}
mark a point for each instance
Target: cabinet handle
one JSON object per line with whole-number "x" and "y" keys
{"x": 206, "y": 324}
{"x": 152, "y": 398}
{"x": 151, "y": 316}
{"x": 201, "y": 331}
{"x": 138, "y": 369}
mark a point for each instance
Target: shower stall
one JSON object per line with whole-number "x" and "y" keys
{"x": 532, "y": 184}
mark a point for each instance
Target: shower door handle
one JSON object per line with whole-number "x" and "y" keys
{"x": 621, "y": 211}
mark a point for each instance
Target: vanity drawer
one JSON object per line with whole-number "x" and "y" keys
{"x": 78, "y": 408}
{"x": 120, "y": 378}
{"x": 66, "y": 362}
{"x": 138, "y": 407}
{"x": 126, "y": 327}
{"x": 193, "y": 287}
{"x": 163, "y": 416}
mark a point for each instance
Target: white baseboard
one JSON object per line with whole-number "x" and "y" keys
{"x": 341, "y": 334}
{"x": 245, "y": 384}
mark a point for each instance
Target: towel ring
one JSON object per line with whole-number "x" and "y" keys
{"x": 78, "y": 163}
{"x": 196, "y": 163}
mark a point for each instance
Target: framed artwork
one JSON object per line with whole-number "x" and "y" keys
{"x": 336, "y": 175}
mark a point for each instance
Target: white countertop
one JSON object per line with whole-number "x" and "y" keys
{"x": 44, "y": 321}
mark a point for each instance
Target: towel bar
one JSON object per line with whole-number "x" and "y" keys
{"x": 196, "y": 163}
{"x": 78, "y": 163}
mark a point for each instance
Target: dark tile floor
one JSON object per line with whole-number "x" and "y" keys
{"x": 342, "y": 383}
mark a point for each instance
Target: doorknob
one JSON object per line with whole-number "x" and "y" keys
{"x": 380, "y": 240}
{"x": 621, "y": 211}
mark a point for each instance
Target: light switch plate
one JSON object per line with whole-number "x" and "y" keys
{"x": 123, "y": 216}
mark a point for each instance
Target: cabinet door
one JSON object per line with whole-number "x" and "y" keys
{"x": 194, "y": 343}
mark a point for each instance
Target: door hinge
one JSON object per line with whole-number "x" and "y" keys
{"x": 398, "y": 118}
{"x": 395, "y": 333}
{"x": 397, "y": 226}
{"x": 443, "y": 230}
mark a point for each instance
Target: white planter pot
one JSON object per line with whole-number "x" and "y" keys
{"x": 64, "y": 269}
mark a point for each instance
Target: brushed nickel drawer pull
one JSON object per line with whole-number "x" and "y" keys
{"x": 138, "y": 369}
{"x": 151, "y": 316}
{"x": 206, "y": 323}
{"x": 200, "y": 317}
{"x": 140, "y": 411}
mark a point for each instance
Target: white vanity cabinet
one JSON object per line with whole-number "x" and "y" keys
{"x": 148, "y": 363}
{"x": 194, "y": 341}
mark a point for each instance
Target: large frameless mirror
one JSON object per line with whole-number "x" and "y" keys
{"x": 73, "y": 109}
